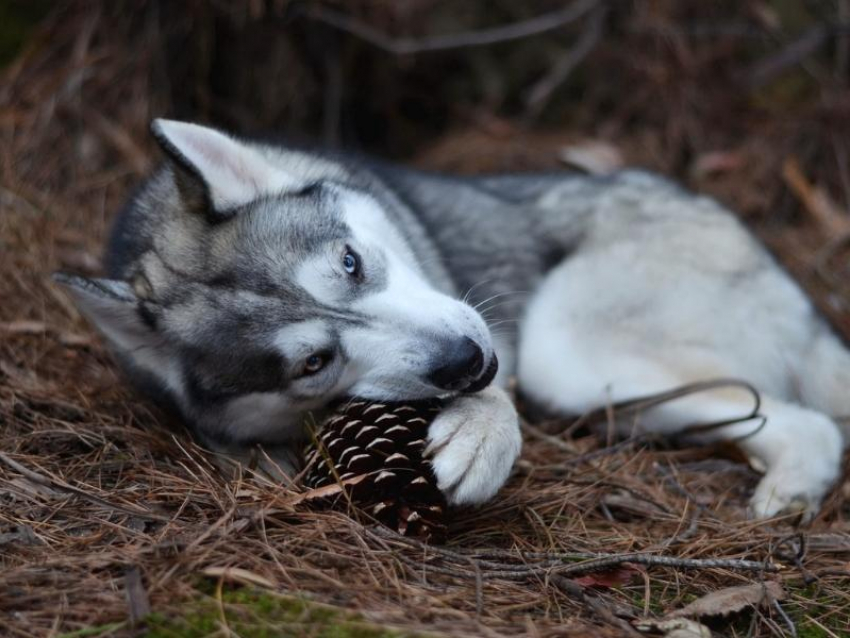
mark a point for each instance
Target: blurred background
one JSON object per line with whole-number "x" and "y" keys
{"x": 748, "y": 101}
{"x": 745, "y": 100}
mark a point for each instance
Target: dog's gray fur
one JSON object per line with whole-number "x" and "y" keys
{"x": 599, "y": 289}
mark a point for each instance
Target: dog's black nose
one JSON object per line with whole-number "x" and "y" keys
{"x": 459, "y": 366}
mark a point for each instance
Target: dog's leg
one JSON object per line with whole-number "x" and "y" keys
{"x": 473, "y": 444}
{"x": 801, "y": 451}
{"x": 799, "y": 448}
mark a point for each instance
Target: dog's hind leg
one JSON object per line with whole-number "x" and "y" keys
{"x": 573, "y": 369}
{"x": 798, "y": 448}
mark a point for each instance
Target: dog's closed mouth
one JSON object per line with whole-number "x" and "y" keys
{"x": 486, "y": 377}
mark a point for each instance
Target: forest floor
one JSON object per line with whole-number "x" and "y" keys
{"x": 113, "y": 522}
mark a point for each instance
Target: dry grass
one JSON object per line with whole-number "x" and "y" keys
{"x": 105, "y": 505}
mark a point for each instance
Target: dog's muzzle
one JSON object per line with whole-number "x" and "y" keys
{"x": 462, "y": 368}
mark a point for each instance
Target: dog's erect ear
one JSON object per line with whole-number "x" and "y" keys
{"x": 113, "y": 307}
{"x": 218, "y": 171}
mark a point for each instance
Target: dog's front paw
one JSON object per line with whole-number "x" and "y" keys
{"x": 473, "y": 444}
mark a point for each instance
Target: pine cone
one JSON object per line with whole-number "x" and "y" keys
{"x": 382, "y": 443}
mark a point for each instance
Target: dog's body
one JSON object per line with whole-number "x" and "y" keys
{"x": 252, "y": 283}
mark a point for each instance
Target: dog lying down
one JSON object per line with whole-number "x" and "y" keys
{"x": 252, "y": 283}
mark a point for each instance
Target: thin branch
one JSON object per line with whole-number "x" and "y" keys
{"x": 792, "y": 628}
{"x": 842, "y": 44}
{"x": 407, "y": 46}
{"x": 789, "y": 56}
{"x": 561, "y": 564}
{"x": 653, "y": 560}
{"x": 639, "y": 405}
{"x": 541, "y": 92}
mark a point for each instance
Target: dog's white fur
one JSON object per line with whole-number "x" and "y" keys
{"x": 655, "y": 288}
{"x": 635, "y": 324}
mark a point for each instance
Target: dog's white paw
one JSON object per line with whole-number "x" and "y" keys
{"x": 473, "y": 444}
{"x": 792, "y": 491}
{"x": 802, "y": 475}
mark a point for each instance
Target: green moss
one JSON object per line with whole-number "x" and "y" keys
{"x": 93, "y": 632}
{"x": 827, "y": 605}
{"x": 812, "y": 601}
{"x": 656, "y": 603}
{"x": 802, "y": 604}
{"x": 254, "y": 614}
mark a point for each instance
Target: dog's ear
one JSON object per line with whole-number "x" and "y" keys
{"x": 216, "y": 171}
{"x": 113, "y": 308}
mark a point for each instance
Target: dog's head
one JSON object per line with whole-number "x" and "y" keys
{"x": 262, "y": 293}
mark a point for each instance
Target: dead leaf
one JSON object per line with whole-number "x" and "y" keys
{"x": 239, "y": 575}
{"x": 594, "y": 157}
{"x": 731, "y": 599}
{"x": 622, "y": 575}
{"x": 717, "y": 163}
{"x": 675, "y": 628}
{"x": 324, "y": 492}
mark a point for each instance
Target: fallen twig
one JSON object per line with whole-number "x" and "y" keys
{"x": 407, "y": 46}
{"x": 566, "y": 564}
{"x": 793, "y": 53}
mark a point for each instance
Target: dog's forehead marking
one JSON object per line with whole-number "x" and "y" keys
{"x": 369, "y": 224}
{"x": 272, "y": 236}
{"x": 316, "y": 275}
{"x": 300, "y": 336}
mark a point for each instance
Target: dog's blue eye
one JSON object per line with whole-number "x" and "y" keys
{"x": 350, "y": 263}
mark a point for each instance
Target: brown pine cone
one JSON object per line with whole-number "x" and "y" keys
{"x": 377, "y": 449}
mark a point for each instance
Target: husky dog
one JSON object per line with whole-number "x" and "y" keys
{"x": 253, "y": 283}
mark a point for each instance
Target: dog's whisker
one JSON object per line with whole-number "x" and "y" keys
{"x": 474, "y": 286}
{"x": 499, "y": 295}
{"x": 502, "y": 322}
{"x": 492, "y": 307}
